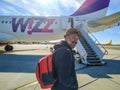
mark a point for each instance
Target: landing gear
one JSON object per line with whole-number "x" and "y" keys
{"x": 51, "y": 49}
{"x": 8, "y": 48}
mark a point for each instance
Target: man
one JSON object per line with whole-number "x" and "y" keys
{"x": 63, "y": 62}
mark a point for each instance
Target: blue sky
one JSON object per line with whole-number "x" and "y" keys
{"x": 57, "y": 8}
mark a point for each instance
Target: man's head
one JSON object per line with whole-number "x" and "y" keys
{"x": 71, "y": 37}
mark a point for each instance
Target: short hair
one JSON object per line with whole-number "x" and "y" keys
{"x": 71, "y": 31}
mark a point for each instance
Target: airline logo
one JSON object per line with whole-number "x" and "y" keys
{"x": 32, "y": 27}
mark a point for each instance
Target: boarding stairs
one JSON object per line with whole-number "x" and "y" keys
{"x": 90, "y": 53}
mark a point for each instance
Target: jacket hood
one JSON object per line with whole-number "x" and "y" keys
{"x": 62, "y": 44}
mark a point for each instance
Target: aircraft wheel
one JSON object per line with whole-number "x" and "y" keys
{"x": 8, "y": 48}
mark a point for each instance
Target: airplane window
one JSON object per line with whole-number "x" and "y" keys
{"x": 6, "y": 21}
{"x": 55, "y": 22}
{"x": 44, "y": 22}
{"x": 37, "y": 22}
{"x": 9, "y": 21}
{"x": 2, "y": 21}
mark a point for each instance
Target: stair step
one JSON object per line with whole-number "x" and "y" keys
{"x": 95, "y": 64}
{"x": 92, "y": 58}
{"x": 91, "y": 55}
{"x": 83, "y": 42}
{"x": 87, "y": 48}
{"x": 94, "y": 61}
{"x": 89, "y": 51}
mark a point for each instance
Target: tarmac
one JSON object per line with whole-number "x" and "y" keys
{"x": 17, "y": 69}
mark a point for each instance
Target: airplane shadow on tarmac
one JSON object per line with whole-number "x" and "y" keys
{"x": 18, "y": 63}
{"x": 2, "y": 51}
{"x": 27, "y": 64}
{"x": 111, "y": 67}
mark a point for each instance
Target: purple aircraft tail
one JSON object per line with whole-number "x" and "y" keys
{"x": 90, "y": 6}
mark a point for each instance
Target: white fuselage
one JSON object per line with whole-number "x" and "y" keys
{"x": 35, "y": 28}
{"x": 25, "y": 28}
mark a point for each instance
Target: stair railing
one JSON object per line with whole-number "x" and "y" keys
{"x": 82, "y": 52}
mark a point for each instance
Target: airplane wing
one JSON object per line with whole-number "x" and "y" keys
{"x": 106, "y": 22}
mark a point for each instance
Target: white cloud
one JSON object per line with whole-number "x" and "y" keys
{"x": 8, "y": 9}
{"x": 17, "y": 3}
{"x": 72, "y": 3}
{"x": 25, "y": 1}
{"x": 4, "y": 11}
{"x": 11, "y": 9}
{"x": 36, "y": 6}
{"x": 33, "y": 11}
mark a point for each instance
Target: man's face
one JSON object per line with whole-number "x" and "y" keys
{"x": 72, "y": 40}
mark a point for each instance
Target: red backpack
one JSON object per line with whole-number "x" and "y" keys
{"x": 44, "y": 72}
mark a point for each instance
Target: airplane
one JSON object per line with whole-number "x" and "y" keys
{"x": 90, "y": 14}
{"x": 109, "y": 43}
{"x": 106, "y": 44}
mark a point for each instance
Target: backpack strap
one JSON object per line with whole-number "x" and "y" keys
{"x": 39, "y": 70}
{"x": 47, "y": 65}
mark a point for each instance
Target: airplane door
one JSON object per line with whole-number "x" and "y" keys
{"x": 65, "y": 23}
